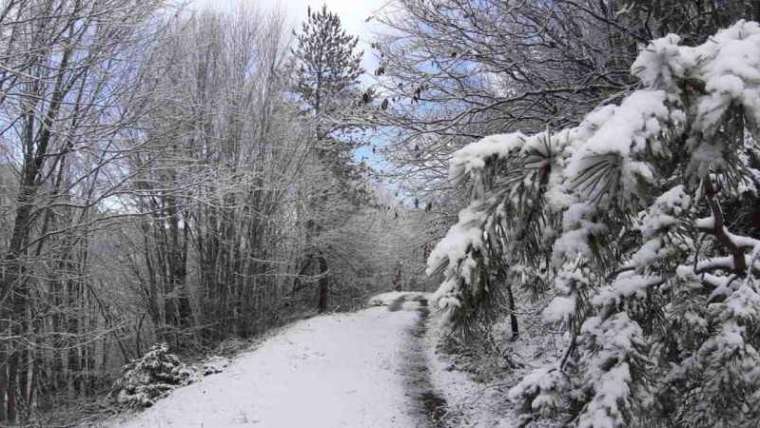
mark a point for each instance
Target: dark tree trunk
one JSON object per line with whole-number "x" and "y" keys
{"x": 324, "y": 285}
{"x": 12, "y": 412}
{"x": 512, "y": 316}
{"x": 503, "y": 278}
{"x": 3, "y": 384}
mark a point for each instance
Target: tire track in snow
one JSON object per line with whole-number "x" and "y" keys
{"x": 429, "y": 407}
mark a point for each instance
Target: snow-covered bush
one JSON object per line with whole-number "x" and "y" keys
{"x": 151, "y": 377}
{"x": 215, "y": 364}
{"x": 540, "y": 393}
{"x": 654, "y": 280}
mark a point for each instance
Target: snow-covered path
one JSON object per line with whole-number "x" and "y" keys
{"x": 344, "y": 370}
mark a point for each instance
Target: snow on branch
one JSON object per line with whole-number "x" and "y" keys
{"x": 621, "y": 201}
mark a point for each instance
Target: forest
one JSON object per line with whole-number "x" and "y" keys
{"x": 558, "y": 201}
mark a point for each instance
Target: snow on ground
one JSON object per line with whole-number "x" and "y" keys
{"x": 343, "y": 370}
{"x": 391, "y": 297}
{"x": 472, "y": 403}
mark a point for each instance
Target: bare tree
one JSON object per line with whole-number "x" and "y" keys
{"x": 66, "y": 105}
{"x": 452, "y": 71}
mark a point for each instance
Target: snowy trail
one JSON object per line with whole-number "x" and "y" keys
{"x": 345, "y": 370}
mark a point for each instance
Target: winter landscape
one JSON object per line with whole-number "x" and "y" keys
{"x": 380, "y": 213}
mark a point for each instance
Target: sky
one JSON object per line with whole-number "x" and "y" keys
{"x": 353, "y": 13}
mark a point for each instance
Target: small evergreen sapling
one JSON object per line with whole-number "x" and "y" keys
{"x": 151, "y": 377}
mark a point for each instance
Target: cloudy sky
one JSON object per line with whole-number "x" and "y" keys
{"x": 353, "y": 13}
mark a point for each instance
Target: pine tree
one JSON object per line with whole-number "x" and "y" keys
{"x": 656, "y": 282}
{"x": 327, "y": 72}
{"x": 327, "y": 64}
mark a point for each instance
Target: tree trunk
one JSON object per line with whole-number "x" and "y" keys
{"x": 3, "y": 384}
{"x": 512, "y": 316}
{"x": 324, "y": 285}
{"x": 12, "y": 412}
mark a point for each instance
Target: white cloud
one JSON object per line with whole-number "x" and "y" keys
{"x": 353, "y": 15}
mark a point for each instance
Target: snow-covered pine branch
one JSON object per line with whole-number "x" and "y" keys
{"x": 670, "y": 313}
